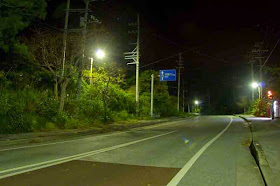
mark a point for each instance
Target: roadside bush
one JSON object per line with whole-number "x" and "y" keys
{"x": 50, "y": 126}
{"x": 73, "y": 123}
{"x": 27, "y": 102}
{"x": 145, "y": 104}
{"x": 119, "y": 99}
{"x": 260, "y": 107}
{"x": 46, "y": 105}
{"x": 120, "y": 116}
{"x": 60, "y": 119}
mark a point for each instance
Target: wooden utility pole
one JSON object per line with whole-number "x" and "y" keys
{"x": 183, "y": 105}
{"x": 209, "y": 96}
{"x": 81, "y": 64}
{"x": 252, "y": 79}
{"x": 258, "y": 54}
{"x": 180, "y": 66}
{"x": 65, "y": 36}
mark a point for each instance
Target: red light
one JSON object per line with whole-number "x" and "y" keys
{"x": 269, "y": 94}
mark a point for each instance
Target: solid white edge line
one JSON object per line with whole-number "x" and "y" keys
{"x": 178, "y": 177}
{"x": 93, "y": 137}
{"x": 73, "y": 157}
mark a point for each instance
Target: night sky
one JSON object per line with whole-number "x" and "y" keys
{"x": 214, "y": 36}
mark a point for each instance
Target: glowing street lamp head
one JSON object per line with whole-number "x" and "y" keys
{"x": 100, "y": 54}
{"x": 196, "y": 102}
{"x": 255, "y": 85}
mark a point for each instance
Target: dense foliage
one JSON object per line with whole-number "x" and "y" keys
{"x": 15, "y": 15}
{"x": 37, "y": 94}
{"x": 28, "y": 103}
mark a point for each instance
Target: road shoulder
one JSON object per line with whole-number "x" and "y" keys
{"x": 265, "y": 147}
{"x": 227, "y": 161}
{"x": 11, "y": 140}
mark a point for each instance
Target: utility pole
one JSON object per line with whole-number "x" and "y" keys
{"x": 135, "y": 55}
{"x": 183, "y": 107}
{"x": 83, "y": 23}
{"x": 209, "y": 96}
{"x": 65, "y": 36}
{"x": 258, "y": 53}
{"x": 137, "y": 65}
{"x": 252, "y": 79}
{"x": 261, "y": 79}
{"x": 81, "y": 64}
{"x": 180, "y": 66}
{"x": 152, "y": 95}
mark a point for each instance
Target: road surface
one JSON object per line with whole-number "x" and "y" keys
{"x": 206, "y": 150}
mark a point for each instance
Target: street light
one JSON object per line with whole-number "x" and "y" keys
{"x": 100, "y": 54}
{"x": 195, "y": 105}
{"x": 257, "y": 85}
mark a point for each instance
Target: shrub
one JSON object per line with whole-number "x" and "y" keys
{"x": 260, "y": 107}
{"x": 74, "y": 123}
{"x": 120, "y": 116}
{"x": 50, "y": 126}
{"x": 60, "y": 119}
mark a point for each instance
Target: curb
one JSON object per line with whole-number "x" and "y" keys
{"x": 40, "y": 138}
{"x": 260, "y": 158}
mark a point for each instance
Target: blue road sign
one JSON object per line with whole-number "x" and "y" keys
{"x": 167, "y": 75}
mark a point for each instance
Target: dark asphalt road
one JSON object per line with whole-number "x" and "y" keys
{"x": 206, "y": 150}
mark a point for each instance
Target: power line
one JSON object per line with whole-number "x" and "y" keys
{"x": 271, "y": 52}
{"x": 189, "y": 50}
{"x": 175, "y": 44}
{"x": 149, "y": 64}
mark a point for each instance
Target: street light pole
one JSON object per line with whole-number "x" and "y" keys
{"x": 258, "y": 86}
{"x": 195, "y": 105}
{"x": 91, "y": 63}
{"x": 100, "y": 54}
{"x": 152, "y": 95}
{"x": 259, "y": 90}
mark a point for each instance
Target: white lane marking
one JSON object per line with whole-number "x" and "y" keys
{"x": 93, "y": 137}
{"x": 54, "y": 143}
{"x": 70, "y": 158}
{"x": 177, "y": 178}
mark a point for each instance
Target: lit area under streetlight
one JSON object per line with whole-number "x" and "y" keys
{"x": 100, "y": 54}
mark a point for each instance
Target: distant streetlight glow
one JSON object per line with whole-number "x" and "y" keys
{"x": 196, "y": 102}
{"x": 100, "y": 54}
